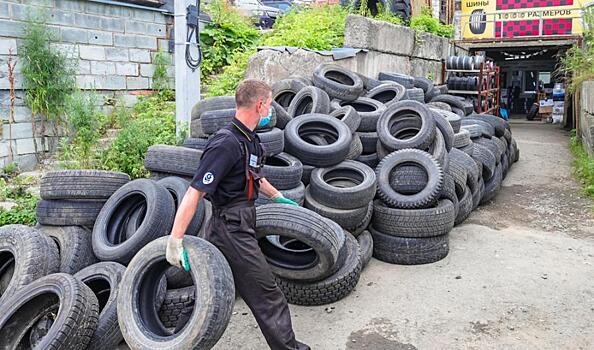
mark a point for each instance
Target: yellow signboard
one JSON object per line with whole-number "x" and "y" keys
{"x": 520, "y": 18}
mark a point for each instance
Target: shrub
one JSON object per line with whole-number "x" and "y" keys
{"x": 16, "y": 190}
{"x": 578, "y": 61}
{"x": 583, "y": 165}
{"x": 226, "y": 82}
{"x": 153, "y": 122}
{"x": 426, "y": 23}
{"x": 160, "y": 77}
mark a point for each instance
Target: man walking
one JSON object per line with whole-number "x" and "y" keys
{"x": 230, "y": 176}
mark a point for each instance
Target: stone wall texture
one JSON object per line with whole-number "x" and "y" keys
{"x": 112, "y": 45}
{"x": 390, "y": 48}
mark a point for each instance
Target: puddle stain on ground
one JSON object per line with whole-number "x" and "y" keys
{"x": 378, "y": 334}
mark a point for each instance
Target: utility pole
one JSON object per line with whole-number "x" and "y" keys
{"x": 187, "y": 80}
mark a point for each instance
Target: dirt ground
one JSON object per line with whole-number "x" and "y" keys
{"x": 519, "y": 275}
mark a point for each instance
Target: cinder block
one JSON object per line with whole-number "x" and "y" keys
{"x": 27, "y": 146}
{"x": 19, "y": 130}
{"x": 161, "y": 18}
{"x": 136, "y": 27}
{"x": 86, "y": 82}
{"x": 117, "y": 54}
{"x": 362, "y": 32}
{"x": 9, "y": 28}
{"x": 103, "y": 9}
{"x": 70, "y": 50}
{"x": 141, "y": 56}
{"x": 62, "y": 18}
{"x": 84, "y": 67}
{"x": 147, "y": 70}
{"x": 129, "y": 100}
{"x": 87, "y": 21}
{"x": 21, "y": 114}
{"x": 69, "y": 5}
{"x": 124, "y": 40}
{"x": 74, "y": 35}
{"x": 102, "y": 68}
{"x": 26, "y": 162}
{"x": 4, "y": 149}
{"x": 127, "y": 69}
{"x": 113, "y": 24}
{"x": 114, "y": 82}
{"x": 88, "y": 52}
{"x": 143, "y": 15}
{"x": 146, "y": 42}
{"x": 7, "y": 46}
{"x": 158, "y": 30}
{"x": 100, "y": 38}
{"x": 4, "y": 10}
{"x": 20, "y": 12}
{"x": 137, "y": 83}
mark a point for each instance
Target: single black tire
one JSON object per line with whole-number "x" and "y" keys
{"x": 284, "y": 91}
{"x": 408, "y": 179}
{"x": 104, "y": 279}
{"x": 369, "y": 83}
{"x": 448, "y": 191}
{"x": 348, "y": 219}
{"x": 349, "y": 116}
{"x": 492, "y": 145}
{"x": 415, "y": 94}
{"x": 365, "y": 247}
{"x": 81, "y": 184}
{"x": 172, "y": 159}
{"x": 195, "y": 143}
{"x": 387, "y": 93}
{"x": 282, "y": 116}
{"x": 465, "y": 206}
{"x": 307, "y": 169}
{"x": 332, "y": 288}
{"x": 405, "y": 80}
{"x": 458, "y": 111}
{"x": 356, "y": 148}
{"x": 498, "y": 124}
{"x": 212, "y": 104}
{"x": 472, "y": 170}
{"x": 338, "y": 82}
{"x": 177, "y": 188}
{"x": 309, "y": 100}
{"x": 459, "y": 174}
{"x": 272, "y": 141}
{"x": 348, "y": 185}
{"x": 442, "y": 106}
{"x": 369, "y": 110}
{"x": 429, "y": 222}
{"x": 137, "y": 310}
{"x": 196, "y": 129}
{"x": 283, "y": 171}
{"x": 296, "y": 194}
{"x": 74, "y": 246}
{"x": 371, "y": 159}
{"x": 68, "y": 212}
{"x": 446, "y": 130}
{"x": 453, "y": 101}
{"x": 487, "y": 159}
{"x": 418, "y": 200}
{"x": 362, "y": 226}
{"x": 325, "y": 155}
{"x": 389, "y": 119}
{"x": 60, "y": 298}
{"x": 176, "y": 301}
{"x": 462, "y": 138}
{"x": 487, "y": 130}
{"x": 321, "y": 241}
{"x": 25, "y": 255}
{"x": 474, "y": 130}
{"x": 423, "y": 83}
{"x": 213, "y": 121}
{"x": 109, "y": 240}
{"x": 369, "y": 141}
{"x": 493, "y": 185}
{"x": 408, "y": 251}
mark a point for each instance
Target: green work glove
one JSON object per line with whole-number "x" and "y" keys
{"x": 285, "y": 201}
{"x": 176, "y": 253}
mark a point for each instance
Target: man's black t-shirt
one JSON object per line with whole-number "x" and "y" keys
{"x": 221, "y": 173}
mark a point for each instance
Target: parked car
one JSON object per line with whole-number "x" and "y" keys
{"x": 282, "y": 6}
{"x": 264, "y": 15}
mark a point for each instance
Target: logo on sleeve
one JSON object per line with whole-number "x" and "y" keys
{"x": 208, "y": 178}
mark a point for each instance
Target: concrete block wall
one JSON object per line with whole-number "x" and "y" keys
{"x": 390, "y": 48}
{"x": 112, "y": 45}
{"x": 586, "y": 115}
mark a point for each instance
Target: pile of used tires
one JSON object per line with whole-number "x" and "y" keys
{"x": 396, "y": 157}
{"x": 93, "y": 273}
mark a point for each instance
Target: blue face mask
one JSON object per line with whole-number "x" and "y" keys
{"x": 265, "y": 119}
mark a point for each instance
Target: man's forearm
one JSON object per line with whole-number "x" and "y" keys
{"x": 267, "y": 188}
{"x": 185, "y": 212}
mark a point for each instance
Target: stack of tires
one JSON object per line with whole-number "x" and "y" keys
{"x": 56, "y": 292}
{"x": 314, "y": 260}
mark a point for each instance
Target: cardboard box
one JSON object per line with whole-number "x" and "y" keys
{"x": 545, "y": 109}
{"x": 546, "y": 103}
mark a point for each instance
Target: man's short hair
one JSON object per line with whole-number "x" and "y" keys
{"x": 249, "y": 91}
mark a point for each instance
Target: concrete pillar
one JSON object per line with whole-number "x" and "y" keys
{"x": 187, "y": 82}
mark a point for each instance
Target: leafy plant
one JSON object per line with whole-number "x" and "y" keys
{"x": 160, "y": 77}
{"x": 228, "y": 33}
{"x": 152, "y": 122}
{"x": 578, "y": 61}
{"x": 85, "y": 122}
{"x": 10, "y": 169}
{"x": 226, "y": 83}
{"x": 426, "y": 23}
{"x": 316, "y": 28}
{"x": 16, "y": 191}
{"x": 583, "y": 165}
{"x": 49, "y": 76}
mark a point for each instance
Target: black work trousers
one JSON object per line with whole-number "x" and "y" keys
{"x": 232, "y": 231}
